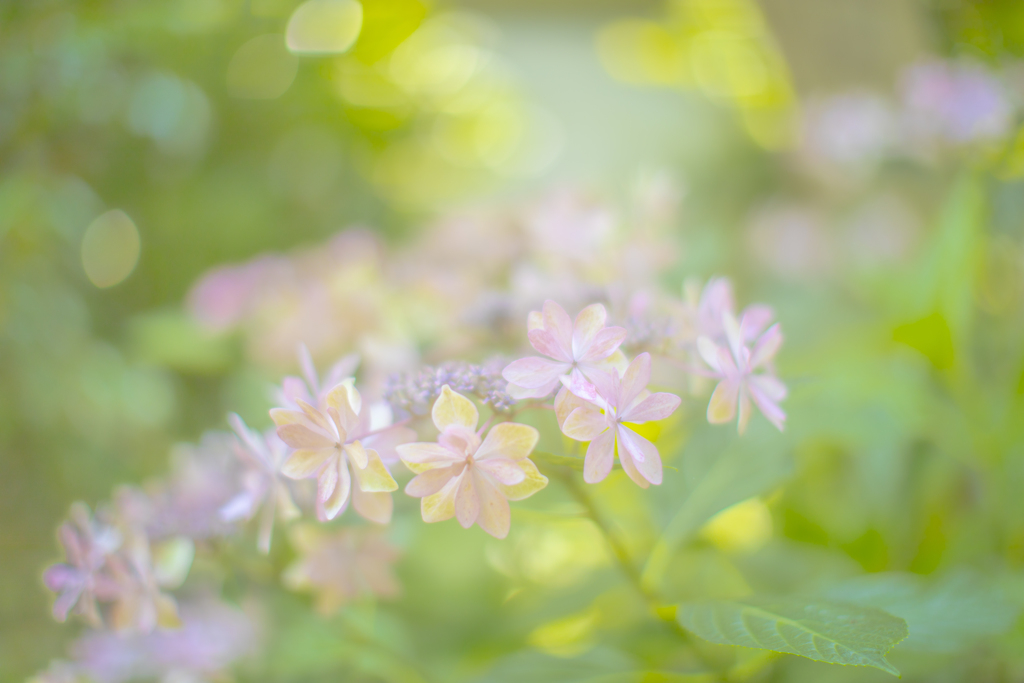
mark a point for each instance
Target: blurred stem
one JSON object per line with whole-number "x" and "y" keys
{"x": 625, "y": 562}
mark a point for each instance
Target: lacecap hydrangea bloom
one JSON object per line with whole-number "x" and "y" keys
{"x": 468, "y": 478}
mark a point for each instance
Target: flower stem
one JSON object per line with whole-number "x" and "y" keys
{"x": 629, "y": 569}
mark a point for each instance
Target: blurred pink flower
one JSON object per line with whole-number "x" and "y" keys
{"x": 623, "y": 400}
{"x": 310, "y": 387}
{"x": 958, "y": 102}
{"x": 580, "y": 349}
{"x": 83, "y": 578}
{"x": 327, "y": 446}
{"x": 342, "y": 565}
{"x": 263, "y": 484}
{"x": 847, "y": 133}
{"x": 737, "y": 367}
{"x": 471, "y": 480}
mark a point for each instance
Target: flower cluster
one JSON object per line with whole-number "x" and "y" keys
{"x": 414, "y": 392}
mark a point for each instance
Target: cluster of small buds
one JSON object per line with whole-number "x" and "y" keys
{"x": 415, "y": 392}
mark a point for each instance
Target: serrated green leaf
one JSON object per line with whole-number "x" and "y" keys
{"x": 945, "y": 616}
{"x": 827, "y": 632}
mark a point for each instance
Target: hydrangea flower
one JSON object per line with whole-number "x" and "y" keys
{"x": 262, "y": 482}
{"x": 624, "y": 400}
{"x": 327, "y": 446}
{"x": 82, "y": 579}
{"x": 744, "y": 375}
{"x": 579, "y": 349}
{"x": 311, "y": 388}
{"x": 340, "y": 566}
{"x": 472, "y": 480}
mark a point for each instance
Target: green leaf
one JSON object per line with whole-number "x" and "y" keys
{"x": 824, "y": 631}
{"x": 944, "y": 616}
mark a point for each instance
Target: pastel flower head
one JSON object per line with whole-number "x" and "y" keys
{"x": 263, "y": 484}
{"x": 578, "y": 349}
{"x": 625, "y": 400}
{"x": 326, "y": 446}
{"x": 715, "y": 302}
{"x": 340, "y": 566}
{"x": 311, "y": 388}
{"x": 468, "y": 478}
{"x": 745, "y": 375}
{"x": 83, "y": 578}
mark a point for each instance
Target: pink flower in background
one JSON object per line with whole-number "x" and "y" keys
{"x": 310, "y": 387}
{"x": 624, "y": 400}
{"x": 737, "y": 367}
{"x": 263, "y": 484}
{"x": 326, "y": 447}
{"x": 83, "y": 579}
{"x": 580, "y": 349}
{"x": 715, "y": 301}
{"x": 462, "y": 477}
{"x": 960, "y": 102}
{"x": 342, "y": 565}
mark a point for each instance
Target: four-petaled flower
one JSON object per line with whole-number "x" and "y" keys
{"x": 471, "y": 480}
{"x": 262, "y": 483}
{"x": 580, "y": 349}
{"x": 625, "y": 400}
{"x": 737, "y": 368}
{"x": 327, "y": 447}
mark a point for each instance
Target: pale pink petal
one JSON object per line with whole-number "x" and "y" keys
{"x": 533, "y": 372}
{"x": 300, "y": 436}
{"x": 754, "y": 319}
{"x": 600, "y": 457}
{"x": 709, "y": 352}
{"x": 634, "y": 380}
{"x": 565, "y": 403}
{"x": 584, "y": 424}
{"x": 373, "y": 505}
{"x": 559, "y": 324}
{"x": 519, "y": 393}
{"x": 722, "y": 406}
{"x": 629, "y": 467}
{"x": 533, "y": 481}
{"x": 769, "y": 385}
{"x": 732, "y": 333}
{"x": 767, "y": 405}
{"x": 655, "y": 407}
{"x": 346, "y": 367}
{"x": 744, "y": 411}
{"x": 327, "y": 480}
{"x": 467, "y": 505}
{"x": 344, "y": 403}
{"x": 431, "y": 481}
{"x": 606, "y": 382}
{"x": 305, "y": 463}
{"x": 65, "y": 601}
{"x": 333, "y": 505}
{"x": 508, "y": 440}
{"x": 374, "y": 478}
{"x": 605, "y": 343}
{"x": 429, "y": 454}
{"x": 494, "y": 515}
{"x": 315, "y": 417}
{"x": 767, "y": 346}
{"x": 578, "y": 384}
{"x": 294, "y": 389}
{"x": 452, "y": 408}
{"x": 502, "y": 471}
{"x": 441, "y": 505}
{"x": 544, "y": 342}
{"x": 458, "y": 439}
{"x": 643, "y": 453}
{"x": 588, "y": 323}
{"x": 284, "y": 416}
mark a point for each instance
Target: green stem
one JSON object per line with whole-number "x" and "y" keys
{"x": 625, "y": 562}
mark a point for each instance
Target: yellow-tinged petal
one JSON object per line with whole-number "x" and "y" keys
{"x": 166, "y": 612}
{"x": 374, "y": 478}
{"x": 305, "y": 463}
{"x": 534, "y": 321}
{"x": 315, "y": 416}
{"x": 565, "y": 403}
{"x": 508, "y": 440}
{"x": 301, "y": 436}
{"x": 373, "y": 505}
{"x": 533, "y": 482}
{"x": 452, "y": 408}
{"x": 467, "y": 505}
{"x": 422, "y": 456}
{"x": 493, "y": 515}
{"x": 356, "y": 453}
{"x": 441, "y": 505}
{"x": 283, "y": 416}
{"x": 344, "y": 404}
